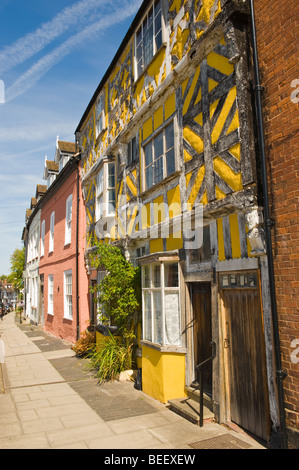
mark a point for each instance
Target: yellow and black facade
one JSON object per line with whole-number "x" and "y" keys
{"x": 168, "y": 135}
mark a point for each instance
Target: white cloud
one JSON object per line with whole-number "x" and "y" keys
{"x": 37, "y": 132}
{"x": 27, "y": 46}
{"x": 40, "y": 68}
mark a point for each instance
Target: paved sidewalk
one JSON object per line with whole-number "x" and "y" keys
{"x": 52, "y": 401}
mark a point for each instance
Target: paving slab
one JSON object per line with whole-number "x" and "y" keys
{"x": 53, "y": 401}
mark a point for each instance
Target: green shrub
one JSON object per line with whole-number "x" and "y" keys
{"x": 85, "y": 344}
{"x": 110, "y": 358}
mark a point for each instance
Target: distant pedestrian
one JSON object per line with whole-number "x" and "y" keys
{"x": 1, "y": 309}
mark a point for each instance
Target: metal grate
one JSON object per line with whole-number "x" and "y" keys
{"x": 222, "y": 442}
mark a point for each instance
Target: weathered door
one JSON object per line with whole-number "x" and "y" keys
{"x": 249, "y": 407}
{"x": 202, "y": 329}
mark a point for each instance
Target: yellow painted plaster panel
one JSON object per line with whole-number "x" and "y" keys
{"x": 235, "y": 236}
{"x": 234, "y": 180}
{"x": 156, "y": 245}
{"x": 158, "y": 378}
{"x": 236, "y": 151}
{"x": 220, "y": 63}
{"x": 169, "y": 107}
{"x": 145, "y": 216}
{"x": 131, "y": 185}
{"x": 174, "y": 202}
{"x": 174, "y": 241}
{"x": 194, "y": 140}
{"x": 147, "y": 128}
{"x": 158, "y": 118}
{"x": 197, "y": 185}
{"x": 223, "y": 115}
{"x": 191, "y": 91}
{"x": 221, "y": 252}
{"x": 159, "y": 210}
{"x": 155, "y": 66}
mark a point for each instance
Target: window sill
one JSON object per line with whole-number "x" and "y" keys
{"x": 136, "y": 80}
{"x": 164, "y": 181}
{"x": 163, "y": 348}
{"x": 100, "y": 135}
{"x": 67, "y": 318}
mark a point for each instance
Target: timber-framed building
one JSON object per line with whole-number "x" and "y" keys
{"x": 169, "y": 172}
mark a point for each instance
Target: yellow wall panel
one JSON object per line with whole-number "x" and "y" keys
{"x": 235, "y": 236}
{"x": 158, "y": 378}
{"x": 147, "y": 128}
{"x": 221, "y": 253}
{"x": 158, "y": 118}
{"x": 169, "y": 107}
{"x": 234, "y": 180}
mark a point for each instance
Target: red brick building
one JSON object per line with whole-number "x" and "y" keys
{"x": 63, "y": 278}
{"x": 278, "y": 50}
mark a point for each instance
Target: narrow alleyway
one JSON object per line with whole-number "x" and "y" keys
{"x": 50, "y": 400}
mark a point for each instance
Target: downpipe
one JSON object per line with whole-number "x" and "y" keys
{"x": 268, "y": 224}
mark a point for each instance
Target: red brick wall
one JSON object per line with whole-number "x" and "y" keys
{"x": 63, "y": 258}
{"x": 277, "y": 36}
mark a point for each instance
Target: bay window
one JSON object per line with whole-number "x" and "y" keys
{"x": 161, "y": 306}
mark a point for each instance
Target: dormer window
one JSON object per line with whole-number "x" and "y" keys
{"x": 63, "y": 161}
{"x": 51, "y": 178}
{"x": 148, "y": 37}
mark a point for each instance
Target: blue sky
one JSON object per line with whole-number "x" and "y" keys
{"x": 52, "y": 58}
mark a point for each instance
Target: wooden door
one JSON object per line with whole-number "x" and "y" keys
{"x": 202, "y": 329}
{"x": 249, "y": 407}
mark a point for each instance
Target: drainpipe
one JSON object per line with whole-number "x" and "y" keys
{"x": 268, "y": 223}
{"x": 77, "y": 251}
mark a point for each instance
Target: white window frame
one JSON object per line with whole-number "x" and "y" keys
{"x": 162, "y": 158}
{"x": 105, "y": 191}
{"x": 110, "y": 189}
{"x": 100, "y": 194}
{"x": 42, "y": 238}
{"x": 51, "y": 235}
{"x": 133, "y": 152}
{"x": 155, "y": 37}
{"x": 100, "y": 114}
{"x": 50, "y": 294}
{"x": 68, "y": 297}
{"x": 68, "y": 220}
{"x": 63, "y": 161}
{"x": 160, "y": 336}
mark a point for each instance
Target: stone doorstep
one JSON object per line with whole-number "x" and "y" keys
{"x": 195, "y": 395}
{"x": 189, "y": 409}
